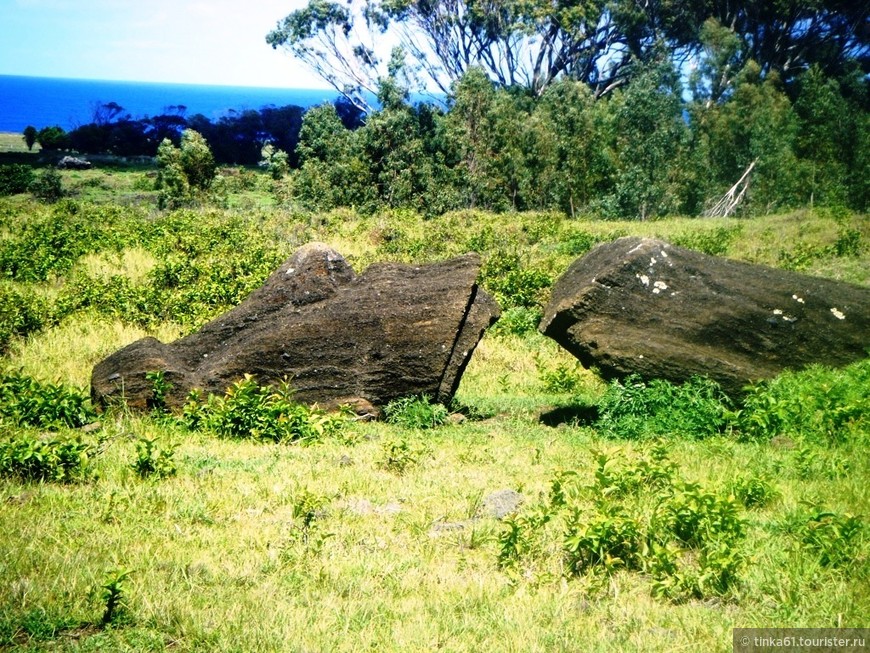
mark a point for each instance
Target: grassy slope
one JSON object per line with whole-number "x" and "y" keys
{"x": 219, "y": 562}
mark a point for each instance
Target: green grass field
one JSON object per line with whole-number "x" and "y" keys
{"x": 375, "y": 537}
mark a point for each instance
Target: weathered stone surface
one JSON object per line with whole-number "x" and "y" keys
{"x": 502, "y": 503}
{"x": 394, "y": 330}
{"x": 644, "y": 306}
{"x": 74, "y": 163}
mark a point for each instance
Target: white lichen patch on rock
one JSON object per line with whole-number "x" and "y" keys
{"x": 838, "y": 314}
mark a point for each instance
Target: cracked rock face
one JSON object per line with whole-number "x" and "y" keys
{"x": 395, "y": 330}
{"x": 639, "y": 305}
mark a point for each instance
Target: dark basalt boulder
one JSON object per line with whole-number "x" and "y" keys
{"x": 393, "y": 331}
{"x": 643, "y": 306}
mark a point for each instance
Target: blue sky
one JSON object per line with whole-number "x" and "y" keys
{"x": 185, "y": 41}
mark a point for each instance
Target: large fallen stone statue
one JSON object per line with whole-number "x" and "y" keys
{"x": 393, "y": 331}
{"x": 646, "y": 307}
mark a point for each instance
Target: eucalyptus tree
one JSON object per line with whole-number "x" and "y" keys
{"x": 518, "y": 43}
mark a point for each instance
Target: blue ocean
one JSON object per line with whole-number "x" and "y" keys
{"x": 44, "y": 102}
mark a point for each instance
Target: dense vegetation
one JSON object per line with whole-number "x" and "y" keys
{"x": 654, "y": 517}
{"x": 666, "y": 512}
{"x": 647, "y": 112}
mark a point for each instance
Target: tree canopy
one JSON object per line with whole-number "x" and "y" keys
{"x": 533, "y": 43}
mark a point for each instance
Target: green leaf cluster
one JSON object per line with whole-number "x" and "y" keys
{"x": 248, "y": 410}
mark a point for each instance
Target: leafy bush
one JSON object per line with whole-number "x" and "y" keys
{"x": 563, "y": 379}
{"x": 512, "y": 283}
{"x": 695, "y": 517}
{"x": 152, "y": 461}
{"x": 752, "y": 491}
{"x": 835, "y": 538}
{"x": 518, "y": 321}
{"x": 578, "y": 243}
{"x": 15, "y": 178}
{"x": 20, "y": 314}
{"x": 817, "y": 404}
{"x": 416, "y": 412}
{"x": 115, "y": 609}
{"x": 679, "y": 574}
{"x": 635, "y": 409}
{"x": 849, "y": 243}
{"x": 51, "y": 244}
{"x": 249, "y": 410}
{"x": 714, "y": 242}
{"x": 690, "y": 544}
{"x": 27, "y": 402}
{"x": 29, "y": 458}
{"x": 607, "y": 537}
{"x": 520, "y": 536}
{"x": 48, "y": 186}
{"x": 160, "y": 388}
{"x": 197, "y": 160}
{"x": 207, "y": 264}
{"x": 172, "y": 182}
{"x": 399, "y": 454}
{"x": 182, "y": 170}
{"x": 695, "y": 547}
{"x": 615, "y": 478}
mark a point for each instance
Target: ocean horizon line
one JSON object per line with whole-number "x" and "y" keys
{"x": 327, "y": 89}
{"x": 70, "y": 103}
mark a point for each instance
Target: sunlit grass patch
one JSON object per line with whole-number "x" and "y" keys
{"x": 134, "y": 263}
{"x": 376, "y": 535}
{"x": 69, "y": 351}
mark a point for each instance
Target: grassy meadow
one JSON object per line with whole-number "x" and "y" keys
{"x": 646, "y": 531}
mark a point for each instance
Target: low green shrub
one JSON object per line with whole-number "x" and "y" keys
{"x": 635, "y": 409}
{"x": 25, "y": 401}
{"x": 578, "y": 243}
{"x": 512, "y": 283}
{"x": 606, "y": 537}
{"x": 517, "y": 321}
{"x": 615, "y": 477}
{"x": 114, "y": 589}
{"x": 53, "y": 241}
{"x": 714, "y": 242}
{"x": 416, "y": 412}
{"x": 563, "y": 379}
{"x": 836, "y": 539}
{"x": 48, "y": 186}
{"x": 695, "y": 517}
{"x": 30, "y": 458}
{"x": 817, "y": 404}
{"x": 249, "y": 410}
{"x": 752, "y": 491}
{"x": 400, "y": 454}
{"x": 15, "y": 178}
{"x": 20, "y": 314}
{"x": 153, "y": 461}
{"x": 637, "y": 515}
{"x": 848, "y": 244}
{"x": 521, "y": 535}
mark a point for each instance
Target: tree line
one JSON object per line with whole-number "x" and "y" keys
{"x": 235, "y": 139}
{"x": 648, "y": 148}
{"x": 619, "y": 109}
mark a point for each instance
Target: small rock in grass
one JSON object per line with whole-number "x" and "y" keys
{"x": 502, "y": 503}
